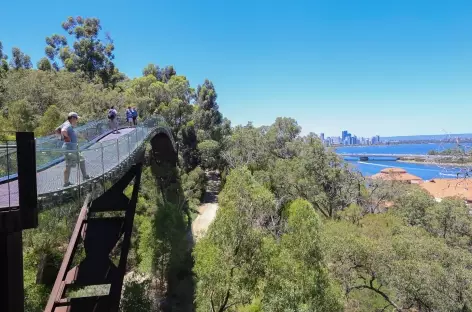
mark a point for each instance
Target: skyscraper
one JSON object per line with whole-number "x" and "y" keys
{"x": 344, "y": 135}
{"x": 322, "y": 137}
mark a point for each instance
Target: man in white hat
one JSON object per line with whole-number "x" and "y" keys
{"x": 70, "y": 143}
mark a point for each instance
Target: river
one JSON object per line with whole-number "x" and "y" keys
{"x": 424, "y": 171}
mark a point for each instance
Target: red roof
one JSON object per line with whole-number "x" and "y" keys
{"x": 397, "y": 174}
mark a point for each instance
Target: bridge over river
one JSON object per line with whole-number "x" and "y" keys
{"x": 367, "y": 156}
{"x": 32, "y": 179}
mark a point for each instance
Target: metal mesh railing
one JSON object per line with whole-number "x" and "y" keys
{"x": 8, "y": 169}
{"x": 91, "y": 166}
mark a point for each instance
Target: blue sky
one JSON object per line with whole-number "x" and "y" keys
{"x": 390, "y": 67}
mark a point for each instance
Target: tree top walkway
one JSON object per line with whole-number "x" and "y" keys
{"x": 107, "y": 157}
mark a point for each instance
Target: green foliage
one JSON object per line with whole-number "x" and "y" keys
{"x": 401, "y": 264}
{"x": 296, "y": 277}
{"x": 209, "y": 153}
{"x": 44, "y": 64}
{"x": 3, "y": 61}
{"x": 89, "y": 53}
{"x": 242, "y": 266}
{"x": 136, "y": 297}
{"x": 21, "y": 115}
{"x": 193, "y": 186}
{"x": 414, "y": 206}
{"x": 207, "y": 116}
{"x": 19, "y": 60}
{"x": 49, "y": 121}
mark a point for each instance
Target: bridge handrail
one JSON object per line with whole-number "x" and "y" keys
{"x": 53, "y": 146}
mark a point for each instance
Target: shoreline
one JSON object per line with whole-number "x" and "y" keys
{"x": 469, "y": 164}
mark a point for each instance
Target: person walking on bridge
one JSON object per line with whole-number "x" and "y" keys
{"x": 72, "y": 157}
{"x": 134, "y": 113}
{"x": 112, "y": 116}
{"x": 129, "y": 116}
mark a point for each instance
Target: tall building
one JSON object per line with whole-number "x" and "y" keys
{"x": 344, "y": 135}
{"x": 378, "y": 139}
{"x": 322, "y": 137}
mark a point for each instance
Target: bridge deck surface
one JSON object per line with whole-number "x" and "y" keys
{"x": 100, "y": 158}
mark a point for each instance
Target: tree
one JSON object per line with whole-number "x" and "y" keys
{"x": 49, "y": 121}
{"x": 90, "y": 54}
{"x": 3, "y": 60}
{"x": 283, "y": 131}
{"x": 247, "y": 146}
{"x": 21, "y": 116}
{"x": 450, "y": 219}
{"x": 153, "y": 70}
{"x": 414, "y": 206}
{"x": 228, "y": 260}
{"x": 383, "y": 263}
{"x": 178, "y": 111}
{"x": 44, "y": 64}
{"x": 209, "y": 153}
{"x": 207, "y": 115}
{"x": 317, "y": 175}
{"x": 20, "y": 60}
{"x": 296, "y": 276}
{"x": 163, "y": 75}
{"x": 187, "y": 142}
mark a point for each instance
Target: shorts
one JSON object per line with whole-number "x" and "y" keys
{"x": 113, "y": 123}
{"x": 130, "y": 119}
{"x": 73, "y": 158}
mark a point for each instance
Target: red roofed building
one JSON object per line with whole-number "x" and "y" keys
{"x": 397, "y": 174}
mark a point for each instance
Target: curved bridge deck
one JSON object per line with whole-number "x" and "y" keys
{"x": 107, "y": 157}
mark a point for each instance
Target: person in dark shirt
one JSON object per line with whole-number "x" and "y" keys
{"x": 134, "y": 113}
{"x": 129, "y": 116}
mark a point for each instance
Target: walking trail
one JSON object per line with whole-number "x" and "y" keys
{"x": 207, "y": 211}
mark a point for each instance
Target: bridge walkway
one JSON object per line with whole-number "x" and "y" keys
{"x": 105, "y": 154}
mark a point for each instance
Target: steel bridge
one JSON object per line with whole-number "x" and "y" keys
{"x": 367, "y": 156}
{"x": 32, "y": 179}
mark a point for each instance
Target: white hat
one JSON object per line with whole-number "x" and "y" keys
{"x": 73, "y": 114}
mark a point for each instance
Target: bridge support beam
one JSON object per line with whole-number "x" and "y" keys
{"x": 99, "y": 234}
{"x": 13, "y": 220}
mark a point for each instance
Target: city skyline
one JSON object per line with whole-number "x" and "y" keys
{"x": 390, "y": 66}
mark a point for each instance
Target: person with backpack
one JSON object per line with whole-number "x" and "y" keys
{"x": 112, "y": 113}
{"x": 134, "y": 114}
{"x": 72, "y": 157}
{"x": 129, "y": 116}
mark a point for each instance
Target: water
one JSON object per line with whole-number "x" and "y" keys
{"x": 424, "y": 171}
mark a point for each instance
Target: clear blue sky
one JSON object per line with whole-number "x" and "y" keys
{"x": 387, "y": 67}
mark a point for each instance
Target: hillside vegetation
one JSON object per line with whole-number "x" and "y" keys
{"x": 296, "y": 229}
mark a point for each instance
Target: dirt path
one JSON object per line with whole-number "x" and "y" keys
{"x": 207, "y": 211}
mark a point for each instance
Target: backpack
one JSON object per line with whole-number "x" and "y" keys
{"x": 111, "y": 114}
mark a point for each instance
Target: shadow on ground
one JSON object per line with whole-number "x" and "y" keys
{"x": 173, "y": 226}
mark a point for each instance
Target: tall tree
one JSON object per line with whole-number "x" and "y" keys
{"x": 207, "y": 114}
{"x": 89, "y": 53}
{"x": 3, "y": 60}
{"x": 19, "y": 60}
{"x": 161, "y": 74}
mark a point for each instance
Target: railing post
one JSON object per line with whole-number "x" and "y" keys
{"x": 129, "y": 147}
{"x": 118, "y": 150}
{"x": 27, "y": 187}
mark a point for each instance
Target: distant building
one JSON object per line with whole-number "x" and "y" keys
{"x": 322, "y": 137}
{"x": 441, "y": 188}
{"x": 344, "y": 135}
{"x": 397, "y": 174}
